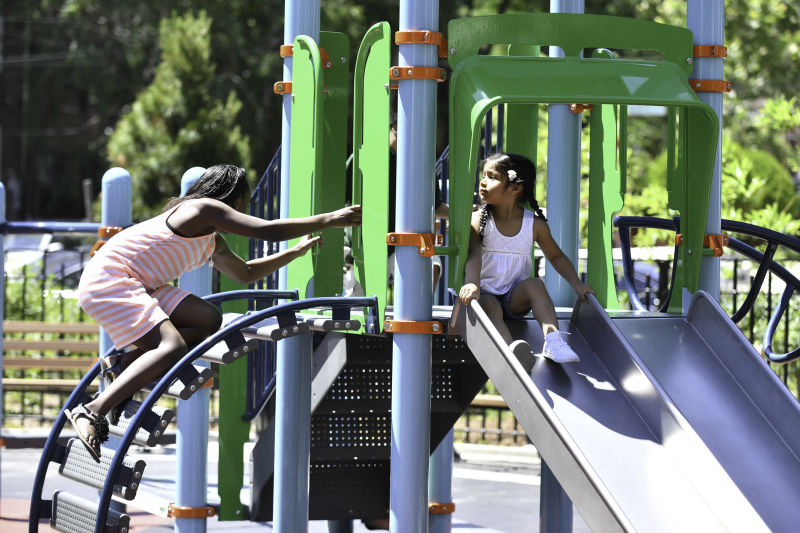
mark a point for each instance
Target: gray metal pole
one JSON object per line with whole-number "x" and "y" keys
{"x": 563, "y": 203}
{"x": 440, "y": 480}
{"x": 411, "y": 355}
{"x": 191, "y": 472}
{"x": 706, "y": 19}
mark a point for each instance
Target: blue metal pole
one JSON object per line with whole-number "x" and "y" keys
{"x": 563, "y": 203}
{"x": 301, "y": 18}
{"x": 115, "y": 210}
{"x": 411, "y": 361}
{"x": 293, "y": 356}
{"x": 292, "y": 435}
{"x": 440, "y": 482}
{"x": 191, "y": 473}
{"x": 706, "y": 19}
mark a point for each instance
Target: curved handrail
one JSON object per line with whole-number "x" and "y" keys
{"x": 189, "y": 358}
{"x": 764, "y": 259}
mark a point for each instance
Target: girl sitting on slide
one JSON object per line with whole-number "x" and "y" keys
{"x": 499, "y": 265}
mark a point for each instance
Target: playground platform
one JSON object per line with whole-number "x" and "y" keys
{"x": 495, "y": 489}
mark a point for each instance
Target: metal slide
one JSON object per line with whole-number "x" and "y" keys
{"x": 668, "y": 423}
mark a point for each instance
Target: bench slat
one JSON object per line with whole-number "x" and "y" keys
{"x": 37, "y": 326}
{"x": 44, "y": 385}
{"x": 58, "y": 345}
{"x": 49, "y": 363}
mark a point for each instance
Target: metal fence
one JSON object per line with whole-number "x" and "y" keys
{"x": 29, "y": 295}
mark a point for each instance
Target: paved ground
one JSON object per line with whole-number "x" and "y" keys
{"x": 495, "y": 489}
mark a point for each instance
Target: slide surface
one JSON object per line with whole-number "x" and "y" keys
{"x": 666, "y": 424}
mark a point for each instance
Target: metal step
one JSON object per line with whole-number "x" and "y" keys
{"x": 326, "y": 323}
{"x": 221, "y": 354}
{"x": 270, "y": 329}
{"x": 73, "y": 514}
{"x": 152, "y": 429}
{"x": 79, "y": 465}
{"x": 188, "y": 382}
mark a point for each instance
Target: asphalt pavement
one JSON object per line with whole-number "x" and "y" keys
{"x": 495, "y": 489}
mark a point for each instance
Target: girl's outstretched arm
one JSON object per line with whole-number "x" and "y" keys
{"x": 554, "y": 255}
{"x": 204, "y": 216}
{"x": 245, "y": 272}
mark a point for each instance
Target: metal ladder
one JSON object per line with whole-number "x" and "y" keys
{"x": 144, "y": 423}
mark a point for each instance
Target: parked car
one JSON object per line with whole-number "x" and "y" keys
{"x": 38, "y": 254}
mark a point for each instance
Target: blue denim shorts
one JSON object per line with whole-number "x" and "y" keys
{"x": 505, "y": 303}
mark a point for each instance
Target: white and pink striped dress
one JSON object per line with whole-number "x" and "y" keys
{"x": 125, "y": 285}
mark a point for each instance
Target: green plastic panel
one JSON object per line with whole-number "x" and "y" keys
{"x": 571, "y": 32}
{"x": 234, "y": 432}
{"x": 522, "y": 120}
{"x": 606, "y": 192}
{"x": 329, "y": 187}
{"x": 306, "y": 153}
{"x": 481, "y": 82}
{"x": 371, "y": 160}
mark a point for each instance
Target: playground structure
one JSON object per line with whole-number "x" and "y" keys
{"x": 629, "y": 445}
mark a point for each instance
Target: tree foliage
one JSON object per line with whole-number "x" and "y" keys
{"x": 176, "y": 120}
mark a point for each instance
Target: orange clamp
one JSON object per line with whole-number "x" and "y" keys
{"x": 287, "y": 50}
{"x": 422, "y": 37}
{"x": 105, "y": 233}
{"x": 182, "y": 511}
{"x": 425, "y": 241}
{"x": 714, "y": 242}
{"x": 711, "y": 86}
{"x": 2, "y": 442}
{"x": 422, "y": 327}
{"x": 417, "y": 73}
{"x": 580, "y": 108}
{"x": 710, "y": 50}
{"x": 282, "y": 87}
{"x": 441, "y": 508}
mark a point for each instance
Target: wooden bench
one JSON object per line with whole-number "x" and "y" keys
{"x": 55, "y": 328}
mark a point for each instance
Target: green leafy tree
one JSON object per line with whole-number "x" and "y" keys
{"x": 176, "y": 122}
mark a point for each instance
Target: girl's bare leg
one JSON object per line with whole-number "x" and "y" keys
{"x": 494, "y": 311}
{"x": 532, "y": 293}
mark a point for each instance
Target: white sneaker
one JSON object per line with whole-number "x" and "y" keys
{"x": 557, "y": 349}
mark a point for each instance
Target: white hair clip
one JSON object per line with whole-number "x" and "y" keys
{"x": 512, "y": 175}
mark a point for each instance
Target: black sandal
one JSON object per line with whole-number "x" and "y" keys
{"x": 99, "y": 423}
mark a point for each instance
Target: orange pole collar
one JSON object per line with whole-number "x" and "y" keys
{"x": 104, "y": 233}
{"x": 417, "y": 73}
{"x": 182, "y": 511}
{"x": 711, "y": 241}
{"x": 425, "y": 241}
{"x": 423, "y": 37}
{"x": 441, "y": 508}
{"x": 421, "y": 327}
{"x": 711, "y": 86}
{"x": 580, "y": 108}
{"x": 710, "y": 50}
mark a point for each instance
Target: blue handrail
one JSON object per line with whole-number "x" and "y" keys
{"x": 765, "y": 260}
{"x": 281, "y": 310}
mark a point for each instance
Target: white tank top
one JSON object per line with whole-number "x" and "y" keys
{"x": 506, "y": 260}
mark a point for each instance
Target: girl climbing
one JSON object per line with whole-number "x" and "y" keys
{"x": 499, "y": 264}
{"x": 125, "y": 285}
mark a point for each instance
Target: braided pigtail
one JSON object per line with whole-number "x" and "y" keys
{"x": 484, "y": 218}
{"x": 537, "y": 210}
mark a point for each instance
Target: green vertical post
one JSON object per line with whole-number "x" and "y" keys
{"x": 371, "y": 160}
{"x": 234, "y": 431}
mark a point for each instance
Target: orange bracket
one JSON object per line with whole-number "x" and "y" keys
{"x": 418, "y": 73}
{"x": 2, "y": 442}
{"x": 287, "y": 50}
{"x": 282, "y": 87}
{"x": 711, "y": 86}
{"x": 182, "y": 511}
{"x": 424, "y": 241}
{"x": 422, "y": 37}
{"x": 710, "y": 50}
{"x": 441, "y": 508}
{"x": 580, "y": 108}
{"x": 105, "y": 233}
{"x": 714, "y": 242}
{"x": 422, "y": 327}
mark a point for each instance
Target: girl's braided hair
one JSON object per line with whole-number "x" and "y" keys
{"x": 519, "y": 170}
{"x": 226, "y": 183}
